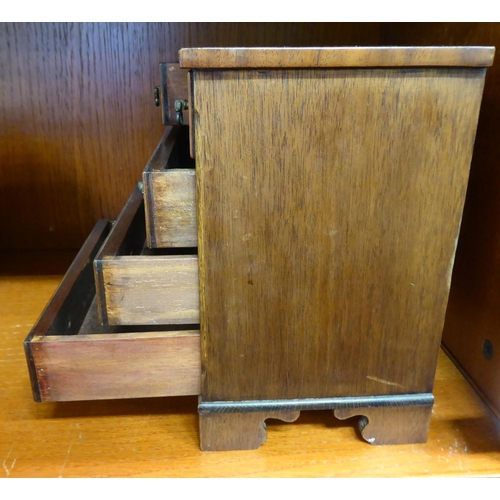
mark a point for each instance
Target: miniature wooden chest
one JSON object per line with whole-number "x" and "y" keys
{"x": 324, "y": 200}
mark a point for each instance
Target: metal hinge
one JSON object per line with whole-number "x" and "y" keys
{"x": 180, "y": 106}
{"x": 172, "y": 94}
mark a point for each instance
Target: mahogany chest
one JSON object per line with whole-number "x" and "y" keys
{"x": 290, "y": 249}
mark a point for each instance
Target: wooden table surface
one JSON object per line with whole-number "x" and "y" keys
{"x": 159, "y": 437}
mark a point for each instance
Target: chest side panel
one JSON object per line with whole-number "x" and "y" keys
{"x": 329, "y": 203}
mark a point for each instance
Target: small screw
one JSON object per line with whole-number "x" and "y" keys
{"x": 487, "y": 349}
{"x": 157, "y": 96}
{"x": 140, "y": 185}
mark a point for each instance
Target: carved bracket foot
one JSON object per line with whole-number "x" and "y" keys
{"x": 391, "y": 424}
{"x": 238, "y": 431}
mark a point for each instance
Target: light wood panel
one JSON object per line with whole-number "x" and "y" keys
{"x": 328, "y": 57}
{"x": 137, "y": 286}
{"x": 170, "y": 194}
{"x": 472, "y": 315}
{"x": 327, "y": 226}
{"x": 174, "y": 208}
{"x": 151, "y": 290}
{"x": 155, "y": 437}
{"x": 77, "y": 115}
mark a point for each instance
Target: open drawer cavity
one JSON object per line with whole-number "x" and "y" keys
{"x": 140, "y": 286}
{"x": 72, "y": 357}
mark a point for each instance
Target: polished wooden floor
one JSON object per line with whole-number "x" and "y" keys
{"x": 159, "y": 437}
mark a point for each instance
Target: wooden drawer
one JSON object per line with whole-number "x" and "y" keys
{"x": 170, "y": 193}
{"x": 72, "y": 357}
{"x": 140, "y": 286}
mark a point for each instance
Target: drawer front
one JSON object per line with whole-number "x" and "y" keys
{"x": 72, "y": 357}
{"x": 170, "y": 193}
{"x": 138, "y": 286}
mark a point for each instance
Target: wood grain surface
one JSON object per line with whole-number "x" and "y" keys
{"x": 137, "y": 286}
{"x": 173, "y": 193}
{"x": 65, "y": 312}
{"x": 77, "y": 122}
{"x": 151, "y": 290}
{"x": 472, "y": 315}
{"x": 331, "y": 57}
{"x": 158, "y": 437}
{"x": 327, "y": 226}
{"x": 77, "y": 115}
{"x": 119, "y": 365}
{"x": 238, "y": 431}
{"x": 170, "y": 194}
{"x": 174, "y": 86}
{"x": 155, "y": 165}
{"x": 397, "y": 425}
{"x": 71, "y": 357}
